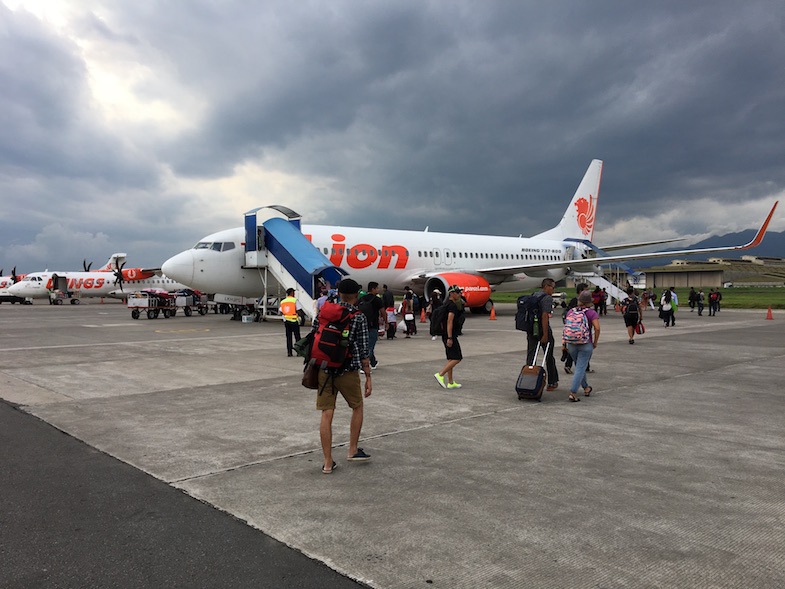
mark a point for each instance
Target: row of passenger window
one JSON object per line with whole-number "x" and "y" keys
{"x": 361, "y": 252}
{"x": 486, "y": 256}
{"x": 448, "y": 254}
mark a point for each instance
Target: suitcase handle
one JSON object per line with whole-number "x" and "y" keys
{"x": 544, "y": 356}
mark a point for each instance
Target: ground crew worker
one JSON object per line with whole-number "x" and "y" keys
{"x": 291, "y": 309}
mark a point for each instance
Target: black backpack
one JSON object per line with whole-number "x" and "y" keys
{"x": 367, "y": 308}
{"x": 439, "y": 320}
{"x": 631, "y": 306}
{"x": 528, "y": 313}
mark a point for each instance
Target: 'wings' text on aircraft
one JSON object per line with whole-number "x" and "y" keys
{"x": 426, "y": 260}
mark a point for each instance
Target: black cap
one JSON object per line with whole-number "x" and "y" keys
{"x": 348, "y": 286}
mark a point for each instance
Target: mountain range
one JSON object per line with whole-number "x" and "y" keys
{"x": 773, "y": 246}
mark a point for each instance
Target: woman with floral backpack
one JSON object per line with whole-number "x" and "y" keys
{"x": 581, "y": 333}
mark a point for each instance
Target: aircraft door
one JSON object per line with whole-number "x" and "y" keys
{"x": 59, "y": 283}
{"x": 448, "y": 257}
{"x": 437, "y": 257}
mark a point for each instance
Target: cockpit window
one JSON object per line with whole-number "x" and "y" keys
{"x": 217, "y": 246}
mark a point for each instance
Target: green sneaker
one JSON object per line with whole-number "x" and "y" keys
{"x": 453, "y": 385}
{"x": 440, "y": 379}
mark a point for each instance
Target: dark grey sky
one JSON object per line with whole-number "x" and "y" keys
{"x": 142, "y": 126}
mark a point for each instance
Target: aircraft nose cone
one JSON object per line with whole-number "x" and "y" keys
{"x": 16, "y": 289}
{"x": 180, "y": 267}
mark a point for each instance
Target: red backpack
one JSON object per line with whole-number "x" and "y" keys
{"x": 331, "y": 349}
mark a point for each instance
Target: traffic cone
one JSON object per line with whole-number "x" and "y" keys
{"x": 769, "y": 315}
{"x": 422, "y": 315}
{"x": 493, "y": 313}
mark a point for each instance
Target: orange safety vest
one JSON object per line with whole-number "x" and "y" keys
{"x": 289, "y": 309}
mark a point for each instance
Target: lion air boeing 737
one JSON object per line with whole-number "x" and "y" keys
{"x": 425, "y": 260}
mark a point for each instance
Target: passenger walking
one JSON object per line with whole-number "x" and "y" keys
{"x": 692, "y": 298}
{"x": 666, "y": 309}
{"x": 633, "y": 313}
{"x": 566, "y": 358}
{"x": 596, "y": 297}
{"x": 407, "y": 310}
{"x": 388, "y": 300}
{"x": 291, "y": 309}
{"x": 433, "y": 304}
{"x": 392, "y": 322}
{"x": 699, "y": 300}
{"x": 580, "y": 350}
{"x": 346, "y": 381}
{"x": 371, "y": 306}
{"x": 544, "y": 335}
{"x": 451, "y": 329}
{"x": 714, "y": 300}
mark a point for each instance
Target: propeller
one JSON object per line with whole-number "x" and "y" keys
{"x": 86, "y": 266}
{"x": 14, "y": 277}
{"x": 118, "y": 274}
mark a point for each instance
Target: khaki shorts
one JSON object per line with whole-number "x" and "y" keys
{"x": 348, "y": 384}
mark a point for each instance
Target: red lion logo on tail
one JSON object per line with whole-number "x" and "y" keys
{"x": 586, "y": 211}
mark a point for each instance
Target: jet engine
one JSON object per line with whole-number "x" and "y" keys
{"x": 476, "y": 289}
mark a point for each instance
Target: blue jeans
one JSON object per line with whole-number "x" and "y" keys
{"x": 373, "y": 336}
{"x": 581, "y": 354}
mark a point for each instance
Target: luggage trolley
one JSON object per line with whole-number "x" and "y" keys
{"x": 153, "y": 303}
{"x": 156, "y": 303}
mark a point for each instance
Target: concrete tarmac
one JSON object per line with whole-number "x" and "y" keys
{"x": 669, "y": 475}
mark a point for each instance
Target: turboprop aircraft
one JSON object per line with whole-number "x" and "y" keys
{"x": 108, "y": 281}
{"x": 5, "y": 283}
{"x": 425, "y": 260}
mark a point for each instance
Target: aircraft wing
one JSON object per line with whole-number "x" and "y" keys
{"x": 586, "y": 264}
{"x": 627, "y": 246}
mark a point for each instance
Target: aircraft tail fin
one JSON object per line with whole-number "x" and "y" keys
{"x": 578, "y": 219}
{"x": 114, "y": 262}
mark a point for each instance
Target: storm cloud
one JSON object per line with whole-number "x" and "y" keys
{"x": 140, "y": 127}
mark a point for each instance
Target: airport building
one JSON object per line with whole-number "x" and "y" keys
{"x": 718, "y": 272}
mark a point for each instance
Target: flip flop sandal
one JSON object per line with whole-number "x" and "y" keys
{"x": 325, "y": 471}
{"x": 572, "y": 398}
{"x": 587, "y": 392}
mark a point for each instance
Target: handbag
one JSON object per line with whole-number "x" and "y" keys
{"x": 408, "y": 317}
{"x": 311, "y": 376}
{"x": 302, "y": 347}
{"x": 639, "y": 328}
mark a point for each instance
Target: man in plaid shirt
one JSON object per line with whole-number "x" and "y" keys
{"x": 347, "y": 382}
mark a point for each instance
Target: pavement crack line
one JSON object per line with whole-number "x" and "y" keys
{"x": 364, "y": 439}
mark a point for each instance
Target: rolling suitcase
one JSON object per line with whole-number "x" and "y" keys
{"x": 531, "y": 381}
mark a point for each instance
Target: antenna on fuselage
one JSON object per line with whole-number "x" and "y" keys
{"x": 426, "y": 229}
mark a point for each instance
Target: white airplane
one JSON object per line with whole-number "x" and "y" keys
{"x": 5, "y": 283}
{"x": 107, "y": 281}
{"x": 425, "y": 260}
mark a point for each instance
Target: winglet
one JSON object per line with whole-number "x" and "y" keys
{"x": 762, "y": 231}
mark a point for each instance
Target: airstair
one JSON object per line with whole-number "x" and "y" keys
{"x": 275, "y": 245}
{"x": 613, "y": 291}
{"x": 598, "y": 280}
